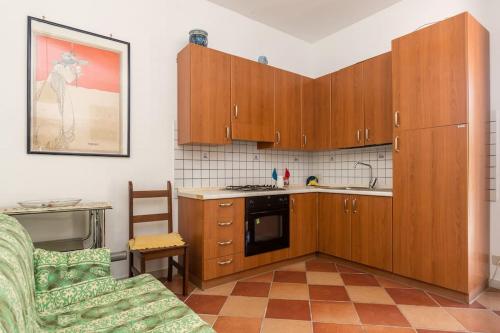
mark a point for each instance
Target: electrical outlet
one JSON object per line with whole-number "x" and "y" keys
{"x": 204, "y": 155}
{"x": 381, "y": 156}
{"x": 495, "y": 260}
{"x": 256, "y": 157}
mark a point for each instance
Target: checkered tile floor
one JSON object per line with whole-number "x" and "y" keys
{"x": 320, "y": 296}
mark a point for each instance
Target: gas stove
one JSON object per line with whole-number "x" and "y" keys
{"x": 253, "y": 188}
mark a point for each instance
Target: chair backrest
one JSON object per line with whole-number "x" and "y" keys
{"x": 17, "y": 278}
{"x": 133, "y": 219}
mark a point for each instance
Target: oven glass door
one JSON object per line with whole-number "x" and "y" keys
{"x": 266, "y": 231}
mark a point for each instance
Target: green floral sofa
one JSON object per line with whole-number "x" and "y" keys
{"x": 42, "y": 291}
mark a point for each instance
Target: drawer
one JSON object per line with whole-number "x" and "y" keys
{"x": 222, "y": 266}
{"x": 224, "y": 208}
{"x": 222, "y": 246}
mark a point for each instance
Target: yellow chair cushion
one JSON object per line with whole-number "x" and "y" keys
{"x": 155, "y": 241}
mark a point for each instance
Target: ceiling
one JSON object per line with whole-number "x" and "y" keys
{"x": 309, "y": 20}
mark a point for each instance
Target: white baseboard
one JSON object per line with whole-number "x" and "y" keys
{"x": 494, "y": 284}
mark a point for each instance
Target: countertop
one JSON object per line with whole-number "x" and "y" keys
{"x": 209, "y": 193}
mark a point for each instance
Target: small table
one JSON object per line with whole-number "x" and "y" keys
{"x": 97, "y": 225}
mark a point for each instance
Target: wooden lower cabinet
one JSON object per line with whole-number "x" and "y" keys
{"x": 334, "y": 223}
{"x": 371, "y": 231}
{"x": 303, "y": 224}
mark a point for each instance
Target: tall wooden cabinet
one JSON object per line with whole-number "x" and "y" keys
{"x": 307, "y": 114}
{"x": 252, "y": 100}
{"x": 303, "y": 224}
{"x": 203, "y": 87}
{"x": 441, "y": 107}
{"x": 322, "y": 90}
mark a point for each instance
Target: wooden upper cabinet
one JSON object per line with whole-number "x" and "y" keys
{"x": 371, "y": 227}
{"x": 429, "y": 75}
{"x": 252, "y": 100}
{"x": 303, "y": 224}
{"x": 307, "y": 114}
{"x": 203, "y": 83}
{"x": 322, "y": 90}
{"x": 377, "y": 99}
{"x": 347, "y": 108}
{"x": 334, "y": 223}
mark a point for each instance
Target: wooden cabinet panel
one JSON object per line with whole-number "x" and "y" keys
{"x": 252, "y": 100}
{"x": 217, "y": 267}
{"x": 204, "y": 87}
{"x": 347, "y": 107}
{"x": 430, "y": 206}
{"x": 429, "y": 75}
{"x": 303, "y": 224}
{"x": 322, "y": 113}
{"x": 334, "y": 221}
{"x": 371, "y": 226}
{"x": 287, "y": 109}
{"x": 265, "y": 258}
{"x": 377, "y": 99}
{"x": 307, "y": 114}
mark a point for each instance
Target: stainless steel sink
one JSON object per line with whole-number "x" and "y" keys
{"x": 356, "y": 188}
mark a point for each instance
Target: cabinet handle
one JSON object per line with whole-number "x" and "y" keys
{"x": 367, "y": 134}
{"x": 396, "y": 119}
{"x": 224, "y": 243}
{"x": 292, "y": 206}
{"x": 396, "y": 144}
{"x": 354, "y": 206}
{"x": 225, "y": 224}
{"x": 226, "y": 262}
{"x": 346, "y": 209}
{"x": 228, "y": 132}
{"x": 236, "y": 112}
{"x": 225, "y": 204}
{"x": 305, "y": 140}
{"x": 278, "y": 137}
{"x": 358, "y": 135}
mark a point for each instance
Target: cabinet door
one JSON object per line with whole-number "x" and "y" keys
{"x": 287, "y": 109}
{"x": 377, "y": 99}
{"x": 307, "y": 114}
{"x": 430, "y": 205}
{"x": 303, "y": 224}
{"x": 347, "y": 108}
{"x": 204, "y": 95}
{"x": 371, "y": 225}
{"x": 322, "y": 108}
{"x": 429, "y": 75}
{"x": 252, "y": 99}
{"x": 335, "y": 224}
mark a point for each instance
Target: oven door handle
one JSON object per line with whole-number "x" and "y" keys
{"x": 268, "y": 212}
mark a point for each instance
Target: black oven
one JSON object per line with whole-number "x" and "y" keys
{"x": 267, "y": 225}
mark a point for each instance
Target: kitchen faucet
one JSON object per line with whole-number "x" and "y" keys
{"x": 373, "y": 181}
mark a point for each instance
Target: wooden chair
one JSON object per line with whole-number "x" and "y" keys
{"x": 166, "y": 252}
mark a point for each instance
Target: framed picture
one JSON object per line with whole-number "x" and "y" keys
{"x": 78, "y": 92}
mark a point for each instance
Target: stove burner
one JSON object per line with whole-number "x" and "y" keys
{"x": 253, "y": 188}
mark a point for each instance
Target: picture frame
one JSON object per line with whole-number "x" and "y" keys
{"x": 78, "y": 92}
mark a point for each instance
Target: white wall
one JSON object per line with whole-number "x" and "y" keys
{"x": 373, "y": 36}
{"x": 157, "y": 30}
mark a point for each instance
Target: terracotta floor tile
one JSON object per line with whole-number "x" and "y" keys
{"x": 490, "y": 300}
{"x": 334, "y": 312}
{"x": 266, "y": 277}
{"x": 254, "y": 289}
{"x": 243, "y": 306}
{"x": 477, "y": 320}
{"x": 368, "y": 294}
{"x": 497, "y": 312}
{"x": 209, "y": 319}
{"x": 237, "y": 324}
{"x": 435, "y": 331}
{"x": 336, "y": 328}
{"x": 429, "y": 317}
{"x": 288, "y": 309}
{"x": 411, "y": 297}
{"x": 381, "y": 314}
{"x": 324, "y": 278}
{"x": 320, "y": 266}
{"x": 286, "y": 326}
{"x": 290, "y": 276}
{"x": 224, "y": 290}
{"x": 352, "y": 279}
{"x": 176, "y": 284}
{"x": 387, "y": 329}
{"x": 346, "y": 269}
{"x": 388, "y": 283}
{"x": 454, "y": 304}
{"x": 281, "y": 290}
{"x": 206, "y": 304}
{"x": 181, "y": 297}
{"x": 328, "y": 293}
{"x": 300, "y": 266}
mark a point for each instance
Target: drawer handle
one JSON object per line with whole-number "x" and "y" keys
{"x": 354, "y": 206}
{"x": 224, "y": 243}
{"x": 226, "y": 262}
{"x": 346, "y": 209}
{"x": 225, "y": 224}
{"x": 225, "y": 204}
